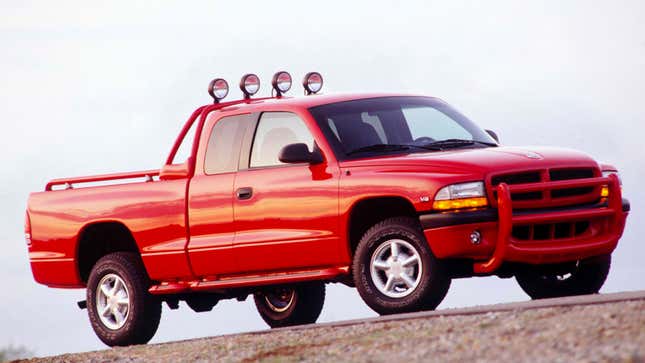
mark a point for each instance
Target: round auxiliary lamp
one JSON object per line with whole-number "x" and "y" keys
{"x": 281, "y": 83}
{"x": 312, "y": 83}
{"x": 218, "y": 89}
{"x": 250, "y": 85}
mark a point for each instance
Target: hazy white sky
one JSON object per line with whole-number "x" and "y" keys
{"x": 103, "y": 87}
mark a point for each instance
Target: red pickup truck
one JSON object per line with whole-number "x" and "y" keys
{"x": 393, "y": 194}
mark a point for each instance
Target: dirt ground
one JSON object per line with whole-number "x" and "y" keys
{"x": 612, "y": 332}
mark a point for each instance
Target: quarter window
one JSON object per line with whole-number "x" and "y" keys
{"x": 223, "y": 150}
{"x": 275, "y": 131}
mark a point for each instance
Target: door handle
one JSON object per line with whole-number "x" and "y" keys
{"x": 244, "y": 193}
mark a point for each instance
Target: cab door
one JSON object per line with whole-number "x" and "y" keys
{"x": 210, "y": 196}
{"x": 286, "y": 215}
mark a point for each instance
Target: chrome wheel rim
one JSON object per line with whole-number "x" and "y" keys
{"x": 112, "y": 301}
{"x": 280, "y": 300}
{"x": 396, "y": 268}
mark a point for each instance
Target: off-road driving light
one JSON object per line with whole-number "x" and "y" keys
{"x": 281, "y": 83}
{"x": 460, "y": 196}
{"x": 250, "y": 85}
{"x": 218, "y": 89}
{"x": 312, "y": 82}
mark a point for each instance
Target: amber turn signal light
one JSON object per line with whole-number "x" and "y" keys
{"x": 463, "y": 203}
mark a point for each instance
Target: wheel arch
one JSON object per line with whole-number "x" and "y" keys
{"x": 99, "y": 238}
{"x": 368, "y": 211}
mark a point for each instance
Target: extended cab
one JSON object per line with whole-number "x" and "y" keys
{"x": 393, "y": 194}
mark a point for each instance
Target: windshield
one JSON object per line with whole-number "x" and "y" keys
{"x": 388, "y": 125}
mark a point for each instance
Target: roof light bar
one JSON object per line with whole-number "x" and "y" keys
{"x": 218, "y": 89}
{"x": 312, "y": 83}
{"x": 250, "y": 85}
{"x": 281, "y": 83}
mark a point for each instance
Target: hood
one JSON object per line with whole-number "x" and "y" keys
{"x": 483, "y": 160}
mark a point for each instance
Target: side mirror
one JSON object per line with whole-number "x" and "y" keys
{"x": 299, "y": 153}
{"x": 493, "y": 134}
{"x": 175, "y": 171}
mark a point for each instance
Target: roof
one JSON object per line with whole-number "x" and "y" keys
{"x": 303, "y": 101}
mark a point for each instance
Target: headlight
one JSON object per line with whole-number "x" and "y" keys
{"x": 604, "y": 191}
{"x": 459, "y": 196}
{"x": 607, "y": 173}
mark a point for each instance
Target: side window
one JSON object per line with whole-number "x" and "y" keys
{"x": 223, "y": 150}
{"x": 276, "y": 130}
{"x": 428, "y": 121}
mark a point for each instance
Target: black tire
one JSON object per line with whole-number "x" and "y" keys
{"x": 582, "y": 278}
{"x": 432, "y": 280}
{"x": 143, "y": 310}
{"x": 300, "y": 304}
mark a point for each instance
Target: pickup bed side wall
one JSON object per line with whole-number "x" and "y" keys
{"x": 153, "y": 212}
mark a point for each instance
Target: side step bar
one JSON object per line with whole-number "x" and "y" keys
{"x": 178, "y": 287}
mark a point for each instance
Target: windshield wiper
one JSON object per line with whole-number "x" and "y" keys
{"x": 391, "y": 147}
{"x": 379, "y": 147}
{"x": 452, "y": 143}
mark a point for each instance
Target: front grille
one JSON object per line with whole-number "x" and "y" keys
{"x": 526, "y": 196}
{"x": 568, "y": 174}
{"x": 517, "y": 178}
{"x": 570, "y": 192}
{"x": 542, "y": 199}
{"x": 550, "y": 231}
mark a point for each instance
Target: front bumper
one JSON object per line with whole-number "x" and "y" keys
{"x": 449, "y": 233}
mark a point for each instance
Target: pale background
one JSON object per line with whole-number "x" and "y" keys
{"x": 104, "y": 87}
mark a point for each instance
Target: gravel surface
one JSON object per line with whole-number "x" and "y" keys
{"x": 612, "y": 332}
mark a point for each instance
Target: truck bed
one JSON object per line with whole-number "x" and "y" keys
{"x": 153, "y": 210}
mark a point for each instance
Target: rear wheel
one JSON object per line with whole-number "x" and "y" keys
{"x": 580, "y": 278}
{"x": 395, "y": 271}
{"x": 291, "y": 305}
{"x": 121, "y": 310}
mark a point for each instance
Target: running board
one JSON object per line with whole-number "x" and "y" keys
{"x": 178, "y": 287}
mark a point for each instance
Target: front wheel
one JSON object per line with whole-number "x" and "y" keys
{"x": 121, "y": 310}
{"x": 291, "y": 305}
{"x": 580, "y": 278}
{"x": 395, "y": 271}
